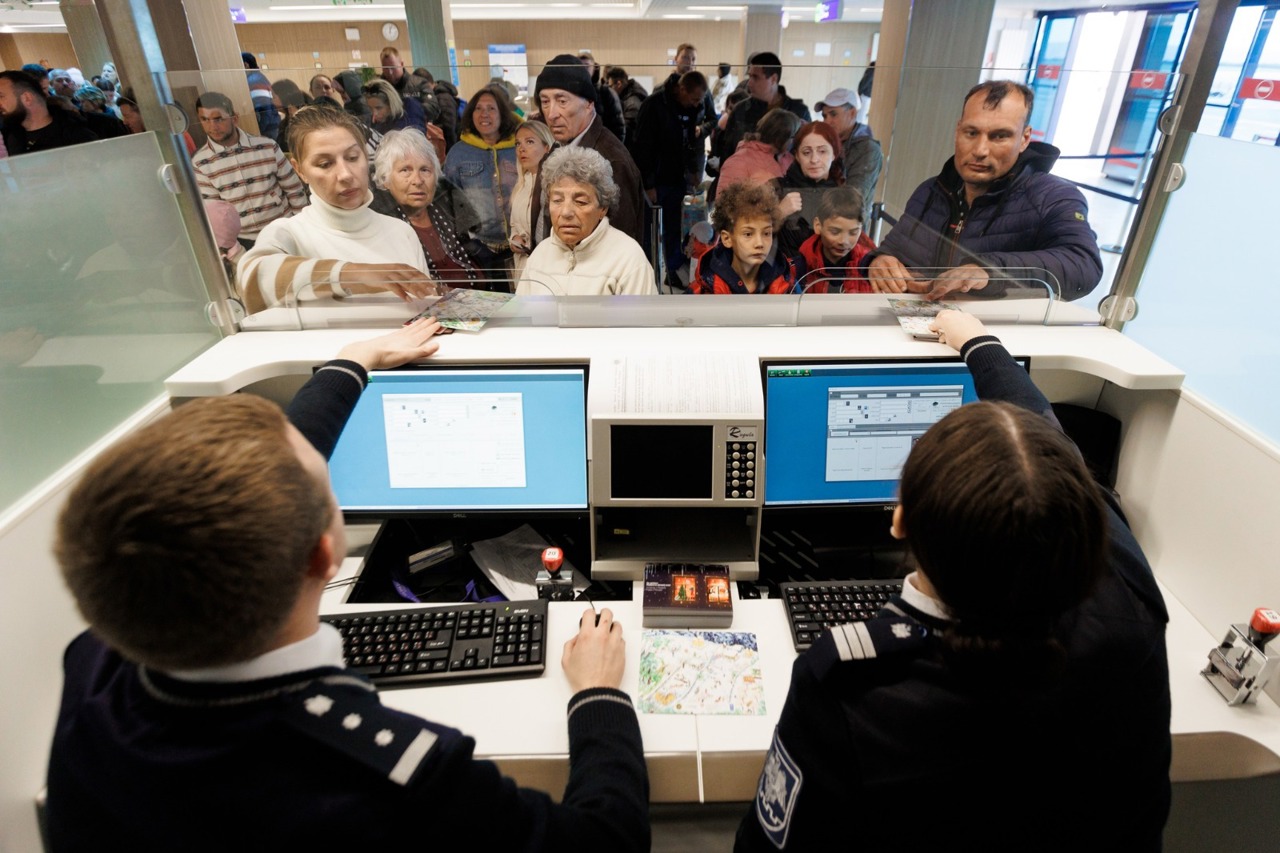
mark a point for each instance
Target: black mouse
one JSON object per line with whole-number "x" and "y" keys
{"x": 597, "y": 620}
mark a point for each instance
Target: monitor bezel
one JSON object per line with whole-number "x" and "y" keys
{"x": 887, "y": 361}
{"x": 375, "y": 514}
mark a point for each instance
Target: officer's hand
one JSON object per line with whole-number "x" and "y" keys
{"x": 408, "y": 343}
{"x": 888, "y": 275}
{"x": 594, "y": 656}
{"x": 963, "y": 279}
{"x": 956, "y": 328}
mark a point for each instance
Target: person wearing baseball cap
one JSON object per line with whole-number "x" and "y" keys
{"x": 568, "y": 101}
{"x": 862, "y": 156}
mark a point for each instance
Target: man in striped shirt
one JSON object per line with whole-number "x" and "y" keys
{"x": 248, "y": 172}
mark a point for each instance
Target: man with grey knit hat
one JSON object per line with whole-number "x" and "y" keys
{"x": 567, "y": 98}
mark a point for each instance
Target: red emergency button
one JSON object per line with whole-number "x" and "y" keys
{"x": 553, "y": 558}
{"x": 1264, "y": 625}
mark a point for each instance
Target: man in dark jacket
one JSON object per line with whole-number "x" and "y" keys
{"x": 764, "y": 73}
{"x": 446, "y": 95}
{"x": 669, "y": 153}
{"x": 567, "y": 99}
{"x": 994, "y": 207}
{"x": 632, "y": 95}
{"x": 30, "y": 123}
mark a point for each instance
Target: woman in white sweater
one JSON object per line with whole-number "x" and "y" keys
{"x": 584, "y": 255}
{"x": 335, "y": 246}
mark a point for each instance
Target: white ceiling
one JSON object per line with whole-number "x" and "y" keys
{"x": 43, "y": 15}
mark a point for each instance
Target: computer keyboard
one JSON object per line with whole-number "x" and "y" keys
{"x": 815, "y": 606}
{"x": 448, "y": 642}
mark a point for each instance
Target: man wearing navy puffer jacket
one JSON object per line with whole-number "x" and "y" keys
{"x": 994, "y": 207}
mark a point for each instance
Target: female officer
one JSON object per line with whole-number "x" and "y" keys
{"x": 1016, "y": 694}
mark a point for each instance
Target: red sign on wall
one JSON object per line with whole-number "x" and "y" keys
{"x": 1048, "y": 72}
{"x": 1148, "y": 80}
{"x": 1258, "y": 89}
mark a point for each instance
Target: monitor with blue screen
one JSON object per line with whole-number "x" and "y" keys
{"x": 465, "y": 439}
{"x": 838, "y": 432}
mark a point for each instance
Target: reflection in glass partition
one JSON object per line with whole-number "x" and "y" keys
{"x": 1244, "y": 102}
{"x": 1229, "y": 352}
{"x": 101, "y": 300}
{"x": 472, "y": 185}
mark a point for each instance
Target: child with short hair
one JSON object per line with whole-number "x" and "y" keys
{"x": 744, "y": 219}
{"x": 830, "y": 257}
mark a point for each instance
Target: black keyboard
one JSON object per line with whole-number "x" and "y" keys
{"x": 447, "y": 642}
{"x": 815, "y": 606}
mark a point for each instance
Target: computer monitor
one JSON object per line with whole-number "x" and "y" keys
{"x": 837, "y": 432}
{"x": 463, "y": 439}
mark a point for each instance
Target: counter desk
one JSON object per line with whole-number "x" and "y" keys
{"x": 520, "y": 722}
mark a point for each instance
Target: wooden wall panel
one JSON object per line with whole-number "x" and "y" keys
{"x": 52, "y": 48}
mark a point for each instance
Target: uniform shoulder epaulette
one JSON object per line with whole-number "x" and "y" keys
{"x": 360, "y": 727}
{"x": 877, "y": 638}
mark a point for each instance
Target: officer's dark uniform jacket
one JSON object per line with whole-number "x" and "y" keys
{"x": 1028, "y": 220}
{"x": 311, "y": 760}
{"x": 882, "y": 746}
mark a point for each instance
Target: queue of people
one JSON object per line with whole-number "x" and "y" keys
{"x": 994, "y": 206}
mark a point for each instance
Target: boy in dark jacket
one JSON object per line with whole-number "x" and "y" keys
{"x": 744, "y": 217}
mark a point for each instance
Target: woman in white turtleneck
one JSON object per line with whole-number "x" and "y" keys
{"x": 336, "y": 246}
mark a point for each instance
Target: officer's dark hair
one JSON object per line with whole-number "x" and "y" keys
{"x": 842, "y": 203}
{"x": 215, "y": 101}
{"x": 744, "y": 199}
{"x": 617, "y": 73}
{"x": 186, "y": 544}
{"x": 995, "y": 91}
{"x": 24, "y": 82}
{"x": 1009, "y": 527}
{"x": 768, "y": 63}
{"x": 724, "y": 68}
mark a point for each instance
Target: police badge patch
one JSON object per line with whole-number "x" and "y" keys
{"x": 776, "y": 797}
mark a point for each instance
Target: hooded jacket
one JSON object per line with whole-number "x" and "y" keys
{"x": 487, "y": 173}
{"x": 1027, "y": 219}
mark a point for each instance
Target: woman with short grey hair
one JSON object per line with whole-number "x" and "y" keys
{"x": 584, "y": 255}
{"x": 407, "y": 169}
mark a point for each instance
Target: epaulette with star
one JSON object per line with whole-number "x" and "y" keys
{"x": 386, "y": 742}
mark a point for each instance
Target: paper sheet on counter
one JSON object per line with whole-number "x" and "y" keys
{"x": 511, "y": 563}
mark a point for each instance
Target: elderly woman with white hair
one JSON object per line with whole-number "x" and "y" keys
{"x": 584, "y": 255}
{"x": 407, "y": 168}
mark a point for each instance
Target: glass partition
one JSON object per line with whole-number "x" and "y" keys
{"x": 101, "y": 299}
{"x": 1087, "y": 101}
{"x": 1216, "y": 238}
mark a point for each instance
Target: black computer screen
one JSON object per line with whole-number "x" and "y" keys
{"x": 838, "y": 432}
{"x": 657, "y": 461}
{"x": 465, "y": 438}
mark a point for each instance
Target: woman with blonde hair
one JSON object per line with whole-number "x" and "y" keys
{"x": 533, "y": 143}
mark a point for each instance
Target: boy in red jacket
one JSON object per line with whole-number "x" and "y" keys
{"x": 829, "y": 259}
